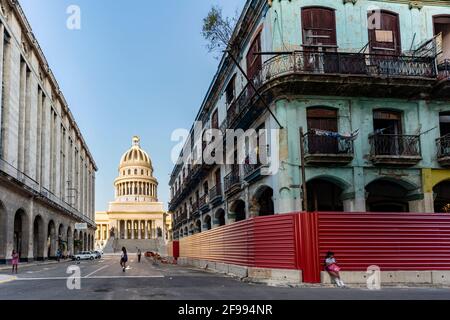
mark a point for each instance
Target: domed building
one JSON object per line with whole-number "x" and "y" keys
{"x": 135, "y": 219}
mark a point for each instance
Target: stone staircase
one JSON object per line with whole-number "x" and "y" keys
{"x": 109, "y": 246}
{"x": 132, "y": 245}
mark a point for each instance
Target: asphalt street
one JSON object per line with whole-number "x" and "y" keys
{"x": 104, "y": 280}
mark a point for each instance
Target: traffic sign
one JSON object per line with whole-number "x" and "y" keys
{"x": 81, "y": 226}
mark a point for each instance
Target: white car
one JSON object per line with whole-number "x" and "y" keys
{"x": 85, "y": 255}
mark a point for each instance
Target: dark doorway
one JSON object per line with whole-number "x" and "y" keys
{"x": 38, "y": 238}
{"x": 388, "y": 130}
{"x": 324, "y": 195}
{"x": 238, "y": 208}
{"x": 207, "y": 223}
{"x": 386, "y": 196}
{"x": 265, "y": 202}
{"x": 322, "y": 119}
{"x": 442, "y": 197}
{"x": 220, "y": 216}
{"x": 444, "y": 123}
{"x": 18, "y": 244}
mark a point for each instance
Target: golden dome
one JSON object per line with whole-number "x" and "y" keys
{"x": 136, "y": 156}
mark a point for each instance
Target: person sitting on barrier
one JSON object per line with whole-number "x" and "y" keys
{"x": 333, "y": 269}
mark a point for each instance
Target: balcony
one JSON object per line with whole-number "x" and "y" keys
{"x": 215, "y": 195}
{"x": 203, "y": 203}
{"x": 232, "y": 181}
{"x": 333, "y": 73}
{"x": 392, "y": 149}
{"x": 252, "y": 172}
{"x": 327, "y": 150}
{"x": 444, "y": 70}
{"x": 195, "y": 209}
{"x": 443, "y": 147}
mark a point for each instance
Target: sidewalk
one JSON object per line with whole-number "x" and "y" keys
{"x": 33, "y": 264}
{"x": 4, "y": 278}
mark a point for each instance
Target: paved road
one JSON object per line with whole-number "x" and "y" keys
{"x": 104, "y": 279}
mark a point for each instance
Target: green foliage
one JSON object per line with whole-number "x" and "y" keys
{"x": 217, "y": 29}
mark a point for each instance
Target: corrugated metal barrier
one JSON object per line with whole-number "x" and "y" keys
{"x": 392, "y": 241}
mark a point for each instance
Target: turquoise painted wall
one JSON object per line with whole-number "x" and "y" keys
{"x": 351, "y": 22}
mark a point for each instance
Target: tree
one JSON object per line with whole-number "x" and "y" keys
{"x": 217, "y": 29}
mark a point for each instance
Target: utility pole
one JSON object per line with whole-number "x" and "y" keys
{"x": 303, "y": 170}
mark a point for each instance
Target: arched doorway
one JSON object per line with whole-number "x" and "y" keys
{"x": 324, "y": 195}
{"x": 442, "y": 197}
{"x": 238, "y": 209}
{"x": 51, "y": 240}
{"x": 263, "y": 201}
{"x": 62, "y": 244}
{"x": 207, "y": 222}
{"x": 69, "y": 242}
{"x": 386, "y": 196}
{"x": 3, "y": 228}
{"x": 85, "y": 241}
{"x": 220, "y": 217}
{"x": 198, "y": 226}
{"x": 38, "y": 238}
{"x": 20, "y": 238}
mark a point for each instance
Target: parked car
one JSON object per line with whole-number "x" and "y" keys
{"x": 98, "y": 254}
{"x": 85, "y": 255}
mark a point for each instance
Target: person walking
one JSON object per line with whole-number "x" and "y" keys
{"x": 124, "y": 259}
{"x": 58, "y": 254}
{"x": 14, "y": 261}
{"x": 139, "y": 254}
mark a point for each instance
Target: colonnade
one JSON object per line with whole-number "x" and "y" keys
{"x": 137, "y": 229}
{"x": 136, "y": 188}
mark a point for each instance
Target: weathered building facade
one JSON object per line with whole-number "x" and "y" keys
{"x": 47, "y": 174}
{"x": 368, "y": 84}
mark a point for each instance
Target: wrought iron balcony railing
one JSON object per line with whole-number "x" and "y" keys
{"x": 232, "y": 179}
{"x": 394, "y": 148}
{"x": 332, "y": 63}
{"x": 203, "y": 201}
{"x": 444, "y": 69}
{"x": 443, "y": 148}
{"x": 320, "y": 149}
{"x": 215, "y": 192}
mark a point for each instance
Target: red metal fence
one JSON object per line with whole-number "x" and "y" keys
{"x": 392, "y": 241}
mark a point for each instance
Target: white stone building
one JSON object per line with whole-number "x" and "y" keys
{"x": 47, "y": 174}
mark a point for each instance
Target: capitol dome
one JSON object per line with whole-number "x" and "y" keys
{"x": 135, "y": 156}
{"x": 135, "y": 182}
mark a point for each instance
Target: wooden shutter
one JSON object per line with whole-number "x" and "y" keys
{"x": 386, "y": 39}
{"x": 254, "y": 61}
{"x": 319, "y": 27}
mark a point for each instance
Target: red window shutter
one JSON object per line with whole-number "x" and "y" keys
{"x": 319, "y": 26}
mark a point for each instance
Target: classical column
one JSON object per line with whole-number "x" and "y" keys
{"x": 126, "y": 229}
{"x": 140, "y": 229}
{"x": 145, "y": 230}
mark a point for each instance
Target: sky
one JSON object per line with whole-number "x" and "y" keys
{"x": 136, "y": 67}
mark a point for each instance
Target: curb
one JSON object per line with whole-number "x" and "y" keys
{"x": 7, "y": 279}
{"x": 26, "y": 265}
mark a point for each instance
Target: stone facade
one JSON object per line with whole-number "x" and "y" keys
{"x": 368, "y": 84}
{"x": 47, "y": 178}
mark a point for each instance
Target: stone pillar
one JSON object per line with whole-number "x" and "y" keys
{"x": 145, "y": 230}
{"x": 140, "y": 229}
{"x": 132, "y": 229}
{"x": 125, "y": 234}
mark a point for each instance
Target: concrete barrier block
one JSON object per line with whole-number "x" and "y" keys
{"x": 211, "y": 265}
{"x": 440, "y": 277}
{"x": 196, "y": 263}
{"x": 349, "y": 277}
{"x": 259, "y": 273}
{"x": 222, "y": 267}
{"x": 415, "y": 277}
{"x": 294, "y": 276}
{"x": 239, "y": 271}
{"x": 182, "y": 261}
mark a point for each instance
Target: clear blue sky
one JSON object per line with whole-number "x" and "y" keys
{"x": 136, "y": 67}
